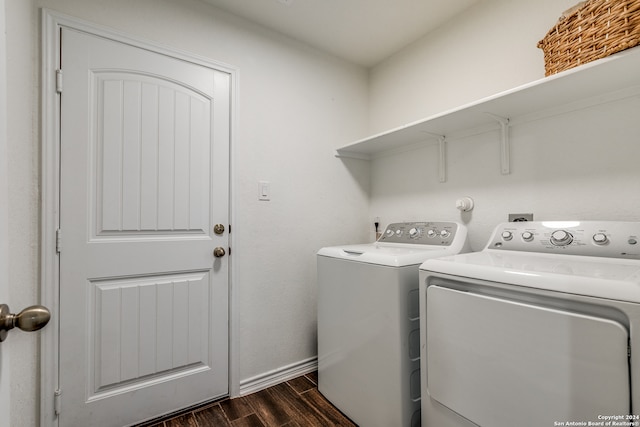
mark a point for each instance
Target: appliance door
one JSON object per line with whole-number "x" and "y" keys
{"x": 501, "y": 363}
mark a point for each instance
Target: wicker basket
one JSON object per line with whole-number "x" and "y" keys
{"x": 592, "y": 30}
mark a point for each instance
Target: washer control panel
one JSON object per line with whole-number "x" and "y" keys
{"x": 610, "y": 239}
{"x": 420, "y": 233}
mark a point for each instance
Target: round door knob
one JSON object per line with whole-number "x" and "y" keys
{"x": 561, "y": 238}
{"x": 218, "y": 228}
{"x": 30, "y": 319}
{"x": 218, "y": 252}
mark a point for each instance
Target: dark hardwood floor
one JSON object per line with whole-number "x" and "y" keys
{"x": 295, "y": 403}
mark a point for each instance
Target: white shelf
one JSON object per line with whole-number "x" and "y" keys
{"x": 614, "y": 77}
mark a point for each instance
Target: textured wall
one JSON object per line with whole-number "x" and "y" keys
{"x": 489, "y": 48}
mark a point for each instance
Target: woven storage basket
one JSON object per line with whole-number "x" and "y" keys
{"x": 591, "y": 30}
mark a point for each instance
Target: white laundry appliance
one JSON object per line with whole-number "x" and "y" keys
{"x": 541, "y": 328}
{"x": 368, "y": 327}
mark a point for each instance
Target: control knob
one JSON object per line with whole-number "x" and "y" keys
{"x": 414, "y": 233}
{"x": 444, "y": 234}
{"x": 507, "y": 235}
{"x": 600, "y": 239}
{"x": 527, "y": 236}
{"x": 432, "y": 233}
{"x": 561, "y": 238}
{"x": 389, "y": 233}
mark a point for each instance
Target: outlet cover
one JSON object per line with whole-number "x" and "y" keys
{"x": 520, "y": 217}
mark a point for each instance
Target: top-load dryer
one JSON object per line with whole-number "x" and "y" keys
{"x": 368, "y": 328}
{"x": 541, "y": 328}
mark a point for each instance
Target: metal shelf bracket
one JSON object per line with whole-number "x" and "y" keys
{"x": 505, "y": 144}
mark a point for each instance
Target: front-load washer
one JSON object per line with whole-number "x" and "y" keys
{"x": 368, "y": 328}
{"x": 541, "y": 328}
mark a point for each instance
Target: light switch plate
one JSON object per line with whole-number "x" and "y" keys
{"x": 264, "y": 190}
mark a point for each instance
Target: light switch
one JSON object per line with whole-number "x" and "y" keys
{"x": 264, "y": 190}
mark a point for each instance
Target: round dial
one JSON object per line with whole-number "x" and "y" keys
{"x": 389, "y": 233}
{"x": 444, "y": 234}
{"x": 600, "y": 239}
{"x": 507, "y": 235}
{"x": 527, "y": 236}
{"x": 398, "y": 233}
{"x": 432, "y": 233}
{"x": 414, "y": 233}
{"x": 561, "y": 238}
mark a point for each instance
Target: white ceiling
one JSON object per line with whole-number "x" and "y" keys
{"x": 362, "y": 31}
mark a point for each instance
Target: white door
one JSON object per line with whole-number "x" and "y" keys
{"x": 502, "y": 363}
{"x": 4, "y": 254}
{"x": 144, "y": 178}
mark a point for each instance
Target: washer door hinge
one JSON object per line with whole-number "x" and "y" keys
{"x": 59, "y": 81}
{"x": 56, "y": 401}
{"x": 58, "y": 240}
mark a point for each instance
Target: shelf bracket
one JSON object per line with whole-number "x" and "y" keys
{"x": 351, "y": 155}
{"x": 442, "y": 156}
{"x": 505, "y": 144}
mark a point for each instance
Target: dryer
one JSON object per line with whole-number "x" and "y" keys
{"x": 368, "y": 328}
{"x": 541, "y": 328}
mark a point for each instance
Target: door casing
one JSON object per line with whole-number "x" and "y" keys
{"x": 52, "y": 22}
{"x": 5, "y": 372}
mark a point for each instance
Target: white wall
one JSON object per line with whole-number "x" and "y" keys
{"x": 293, "y": 104}
{"x": 580, "y": 165}
{"x": 489, "y": 48}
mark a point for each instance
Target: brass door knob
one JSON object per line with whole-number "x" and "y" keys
{"x": 30, "y": 319}
{"x": 218, "y": 252}
{"x": 218, "y": 228}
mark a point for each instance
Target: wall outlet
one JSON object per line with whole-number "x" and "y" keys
{"x": 520, "y": 217}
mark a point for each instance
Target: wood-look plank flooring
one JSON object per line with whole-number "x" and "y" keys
{"x": 294, "y": 403}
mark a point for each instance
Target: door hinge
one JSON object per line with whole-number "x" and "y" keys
{"x": 58, "y": 240}
{"x": 56, "y": 401}
{"x": 59, "y": 81}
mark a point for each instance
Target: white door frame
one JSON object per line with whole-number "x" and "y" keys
{"x": 52, "y": 22}
{"x": 5, "y": 372}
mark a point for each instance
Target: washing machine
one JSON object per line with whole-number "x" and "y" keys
{"x": 368, "y": 328}
{"x": 540, "y": 328}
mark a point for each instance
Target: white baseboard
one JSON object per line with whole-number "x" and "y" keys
{"x": 277, "y": 376}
